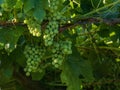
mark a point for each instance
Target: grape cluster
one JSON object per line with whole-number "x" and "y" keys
{"x": 50, "y": 32}
{"x": 53, "y": 5}
{"x": 34, "y": 55}
{"x": 34, "y": 27}
{"x": 55, "y": 12}
{"x": 57, "y": 56}
{"x": 54, "y": 17}
{"x": 60, "y": 50}
{"x": 66, "y": 47}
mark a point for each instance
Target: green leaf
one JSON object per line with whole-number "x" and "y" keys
{"x": 39, "y": 12}
{"x": 1, "y": 1}
{"x": 74, "y": 70}
{"x": 10, "y": 3}
{"x": 19, "y": 4}
{"x": 70, "y": 77}
{"x": 8, "y": 72}
{"x": 18, "y": 57}
{"x": 83, "y": 66}
{"x": 10, "y": 36}
{"x": 28, "y": 5}
{"x": 86, "y": 6}
{"x": 38, "y": 75}
{"x": 86, "y": 70}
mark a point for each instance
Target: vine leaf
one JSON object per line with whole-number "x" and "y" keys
{"x": 18, "y": 4}
{"x": 39, "y": 12}
{"x": 1, "y": 1}
{"x": 70, "y": 77}
{"x": 74, "y": 70}
{"x": 10, "y": 36}
{"x": 6, "y": 75}
{"x": 18, "y": 57}
{"x": 38, "y": 75}
{"x": 7, "y": 5}
{"x": 28, "y": 5}
{"x": 6, "y": 70}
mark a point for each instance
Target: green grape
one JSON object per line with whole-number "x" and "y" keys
{"x": 60, "y": 50}
{"x": 53, "y": 5}
{"x": 54, "y": 16}
{"x": 57, "y": 60}
{"x": 34, "y": 27}
{"x": 66, "y": 47}
{"x": 34, "y": 55}
{"x": 50, "y": 32}
{"x": 27, "y": 74}
{"x": 2, "y": 46}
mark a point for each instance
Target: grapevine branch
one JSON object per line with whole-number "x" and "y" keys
{"x": 109, "y": 22}
{"x": 100, "y": 47}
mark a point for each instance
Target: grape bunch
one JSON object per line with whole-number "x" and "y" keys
{"x": 66, "y": 47}
{"x": 54, "y": 16}
{"x": 53, "y": 5}
{"x": 60, "y": 50}
{"x": 34, "y": 55}
{"x": 50, "y": 32}
{"x": 57, "y": 56}
{"x": 34, "y": 27}
{"x": 56, "y": 13}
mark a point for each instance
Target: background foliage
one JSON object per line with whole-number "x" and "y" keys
{"x": 60, "y": 44}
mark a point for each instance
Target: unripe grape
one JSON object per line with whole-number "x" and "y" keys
{"x": 27, "y": 74}
{"x": 33, "y": 54}
{"x": 34, "y": 27}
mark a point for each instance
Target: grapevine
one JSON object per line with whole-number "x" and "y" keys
{"x": 59, "y": 44}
